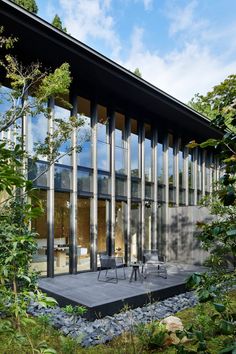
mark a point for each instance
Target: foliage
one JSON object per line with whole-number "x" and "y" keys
{"x": 29, "y": 5}
{"x": 218, "y": 237}
{"x": 56, "y": 22}
{"x": 75, "y": 310}
{"x": 152, "y": 336}
{"x": 218, "y": 100}
{"x": 137, "y": 72}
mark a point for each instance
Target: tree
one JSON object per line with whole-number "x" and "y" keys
{"x": 31, "y": 87}
{"x": 29, "y": 5}
{"x": 137, "y": 72}
{"x": 218, "y": 100}
{"x": 56, "y": 22}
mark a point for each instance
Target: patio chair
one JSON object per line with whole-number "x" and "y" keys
{"x": 110, "y": 265}
{"x": 154, "y": 264}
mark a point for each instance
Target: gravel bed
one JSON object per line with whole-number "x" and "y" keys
{"x": 105, "y": 329}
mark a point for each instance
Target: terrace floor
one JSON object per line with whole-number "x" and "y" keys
{"x": 106, "y": 298}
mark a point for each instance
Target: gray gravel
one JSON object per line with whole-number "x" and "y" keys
{"x": 105, "y": 329}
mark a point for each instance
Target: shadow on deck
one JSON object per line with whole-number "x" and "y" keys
{"x": 105, "y": 298}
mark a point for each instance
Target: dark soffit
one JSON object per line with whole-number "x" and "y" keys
{"x": 98, "y": 76}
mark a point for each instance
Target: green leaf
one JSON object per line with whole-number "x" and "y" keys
{"x": 219, "y": 307}
{"x": 226, "y": 327}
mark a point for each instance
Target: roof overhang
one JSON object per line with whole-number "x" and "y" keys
{"x": 99, "y": 77}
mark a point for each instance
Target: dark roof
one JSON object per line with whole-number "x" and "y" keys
{"x": 96, "y": 76}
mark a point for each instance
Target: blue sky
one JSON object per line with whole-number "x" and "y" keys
{"x": 181, "y": 46}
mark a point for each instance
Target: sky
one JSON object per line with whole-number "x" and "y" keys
{"x": 183, "y": 47}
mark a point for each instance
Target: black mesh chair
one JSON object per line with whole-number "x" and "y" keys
{"x": 109, "y": 265}
{"x": 154, "y": 264}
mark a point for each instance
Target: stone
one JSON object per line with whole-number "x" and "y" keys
{"x": 173, "y": 324}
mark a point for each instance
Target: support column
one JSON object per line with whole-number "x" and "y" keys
{"x": 155, "y": 189}
{"x": 94, "y": 201}
{"x": 73, "y": 195}
{"x": 111, "y": 115}
{"x": 128, "y": 171}
{"x": 50, "y": 204}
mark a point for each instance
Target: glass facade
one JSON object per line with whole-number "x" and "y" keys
{"x": 112, "y": 209}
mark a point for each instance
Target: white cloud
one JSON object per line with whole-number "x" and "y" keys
{"x": 181, "y": 73}
{"x": 147, "y": 4}
{"x": 183, "y": 19}
{"x": 86, "y": 19}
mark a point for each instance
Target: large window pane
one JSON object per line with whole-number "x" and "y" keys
{"x": 119, "y": 229}
{"x": 160, "y": 162}
{"x": 148, "y": 225}
{"x": 148, "y": 152}
{"x": 134, "y": 148}
{"x": 135, "y": 225}
{"x": 104, "y": 184}
{"x": 84, "y": 181}
{"x": 103, "y": 146}
{"x": 39, "y": 225}
{"x": 120, "y": 151}
{"x": 135, "y": 188}
{"x": 61, "y": 231}
{"x": 83, "y": 235}
{"x": 84, "y": 133}
{"x": 64, "y": 115}
{"x": 102, "y": 225}
{"x": 62, "y": 177}
{"x": 171, "y": 160}
{"x": 37, "y": 172}
{"x": 121, "y": 189}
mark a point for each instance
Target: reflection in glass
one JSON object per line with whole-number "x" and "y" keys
{"x": 160, "y": 162}
{"x": 148, "y": 152}
{"x": 148, "y": 190}
{"x": 83, "y": 234}
{"x": 171, "y": 160}
{"x": 104, "y": 184}
{"x": 84, "y": 133}
{"x": 148, "y": 226}
{"x": 119, "y": 229}
{"x": 134, "y": 148}
{"x": 135, "y": 188}
{"x": 120, "y": 151}
{"x": 181, "y": 168}
{"x": 37, "y": 172}
{"x": 102, "y": 226}
{"x": 84, "y": 181}
{"x": 39, "y": 225}
{"x": 63, "y": 114}
{"x": 199, "y": 170}
{"x": 62, "y": 177}
{"x": 61, "y": 231}
{"x": 134, "y": 224}
{"x": 37, "y": 132}
{"x": 190, "y": 170}
{"x": 121, "y": 186}
{"x": 103, "y": 145}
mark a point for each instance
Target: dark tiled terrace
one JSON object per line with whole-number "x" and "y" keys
{"x": 105, "y": 298}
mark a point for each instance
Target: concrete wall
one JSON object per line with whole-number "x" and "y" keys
{"x": 181, "y": 242}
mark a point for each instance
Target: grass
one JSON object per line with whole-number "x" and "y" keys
{"x": 38, "y": 336}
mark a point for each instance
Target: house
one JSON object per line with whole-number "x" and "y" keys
{"x": 134, "y": 186}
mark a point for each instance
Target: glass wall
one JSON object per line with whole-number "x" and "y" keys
{"x": 84, "y": 133}
{"x": 171, "y": 160}
{"x": 135, "y": 227}
{"x": 148, "y": 226}
{"x": 120, "y": 151}
{"x": 119, "y": 229}
{"x": 62, "y": 114}
{"x": 102, "y": 225}
{"x": 160, "y": 162}
{"x": 61, "y": 231}
{"x": 39, "y": 225}
{"x": 83, "y": 234}
{"x": 134, "y": 150}
{"x": 103, "y": 144}
{"x": 148, "y": 152}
